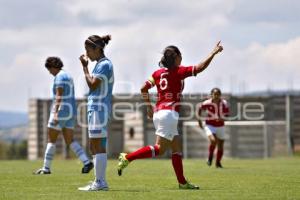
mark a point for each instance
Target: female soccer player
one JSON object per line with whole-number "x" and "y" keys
{"x": 100, "y": 83}
{"x": 62, "y": 116}
{"x": 169, "y": 82}
{"x": 217, "y": 108}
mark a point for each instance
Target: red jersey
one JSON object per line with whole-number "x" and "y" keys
{"x": 169, "y": 83}
{"x": 215, "y": 112}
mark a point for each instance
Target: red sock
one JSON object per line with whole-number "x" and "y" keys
{"x": 211, "y": 150}
{"x": 144, "y": 152}
{"x": 178, "y": 168}
{"x": 219, "y": 155}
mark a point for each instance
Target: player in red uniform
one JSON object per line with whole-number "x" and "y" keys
{"x": 169, "y": 80}
{"x": 217, "y": 109}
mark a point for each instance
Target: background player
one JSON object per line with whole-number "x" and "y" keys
{"x": 62, "y": 116}
{"x": 169, "y": 81}
{"x": 217, "y": 109}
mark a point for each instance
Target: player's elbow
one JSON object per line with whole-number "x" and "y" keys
{"x": 144, "y": 89}
{"x": 93, "y": 87}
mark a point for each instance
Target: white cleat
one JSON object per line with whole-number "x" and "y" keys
{"x": 95, "y": 186}
{"x": 42, "y": 171}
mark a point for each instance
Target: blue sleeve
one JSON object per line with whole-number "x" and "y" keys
{"x": 102, "y": 71}
{"x": 59, "y": 81}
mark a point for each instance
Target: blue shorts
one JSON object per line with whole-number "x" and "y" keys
{"x": 97, "y": 124}
{"x": 62, "y": 123}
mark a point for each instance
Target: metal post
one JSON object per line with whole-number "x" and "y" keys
{"x": 184, "y": 135}
{"x": 266, "y": 142}
{"x": 288, "y": 123}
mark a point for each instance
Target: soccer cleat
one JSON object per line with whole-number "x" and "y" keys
{"x": 209, "y": 162}
{"x": 87, "y": 168}
{"x": 42, "y": 171}
{"x": 123, "y": 163}
{"x": 95, "y": 186}
{"x": 218, "y": 165}
{"x": 188, "y": 186}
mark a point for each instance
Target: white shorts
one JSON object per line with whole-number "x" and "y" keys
{"x": 165, "y": 122}
{"x": 214, "y": 130}
{"x": 97, "y": 124}
{"x": 68, "y": 123}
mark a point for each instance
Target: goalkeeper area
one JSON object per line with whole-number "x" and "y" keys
{"x": 276, "y": 178}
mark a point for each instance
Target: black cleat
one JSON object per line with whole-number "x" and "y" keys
{"x": 218, "y": 165}
{"x": 119, "y": 172}
{"x": 42, "y": 171}
{"x": 209, "y": 162}
{"x": 87, "y": 168}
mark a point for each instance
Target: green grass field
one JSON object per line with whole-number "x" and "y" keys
{"x": 154, "y": 179}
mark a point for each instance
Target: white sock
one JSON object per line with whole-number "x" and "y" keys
{"x": 100, "y": 163}
{"x": 49, "y": 153}
{"x": 80, "y": 153}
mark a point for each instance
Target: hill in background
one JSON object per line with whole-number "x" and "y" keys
{"x": 13, "y": 126}
{"x": 12, "y": 119}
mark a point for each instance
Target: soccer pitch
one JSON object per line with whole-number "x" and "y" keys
{"x": 154, "y": 179}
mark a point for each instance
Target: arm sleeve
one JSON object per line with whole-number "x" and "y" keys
{"x": 59, "y": 81}
{"x": 150, "y": 82}
{"x": 202, "y": 107}
{"x": 185, "y": 72}
{"x": 102, "y": 71}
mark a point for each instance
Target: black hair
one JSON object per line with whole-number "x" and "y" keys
{"x": 95, "y": 41}
{"x": 169, "y": 56}
{"x": 54, "y": 62}
{"x": 216, "y": 89}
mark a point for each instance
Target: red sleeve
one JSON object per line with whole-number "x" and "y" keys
{"x": 185, "y": 72}
{"x": 201, "y": 108}
{"x": 150, "y": 82}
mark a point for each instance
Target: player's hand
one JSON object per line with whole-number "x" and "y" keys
{"x": 84, "y": 60}
{"x": 150, "y": 111}
{"x": 55, "y": 118}
{"x": 218, "y": 48}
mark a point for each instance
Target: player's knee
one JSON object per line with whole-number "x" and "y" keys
{"x": 213, "y": 141}
{"x": 220, "y": 144}
{"x": 68, "y": 142}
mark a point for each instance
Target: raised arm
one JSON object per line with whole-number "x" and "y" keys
{"x": 91, "y": 81}
{"x": 203, "y": 65}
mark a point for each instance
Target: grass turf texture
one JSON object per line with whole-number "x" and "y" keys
{"x": 154, "y": 179}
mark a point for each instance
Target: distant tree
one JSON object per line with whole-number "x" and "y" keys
{"x": 22, "y": 150}
{"x": 11, "y": 153}
{"x": 3, "y": 150}
{"x": 17, "y": 150}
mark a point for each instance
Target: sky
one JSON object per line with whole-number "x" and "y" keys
{"x": 261, "y": 40}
